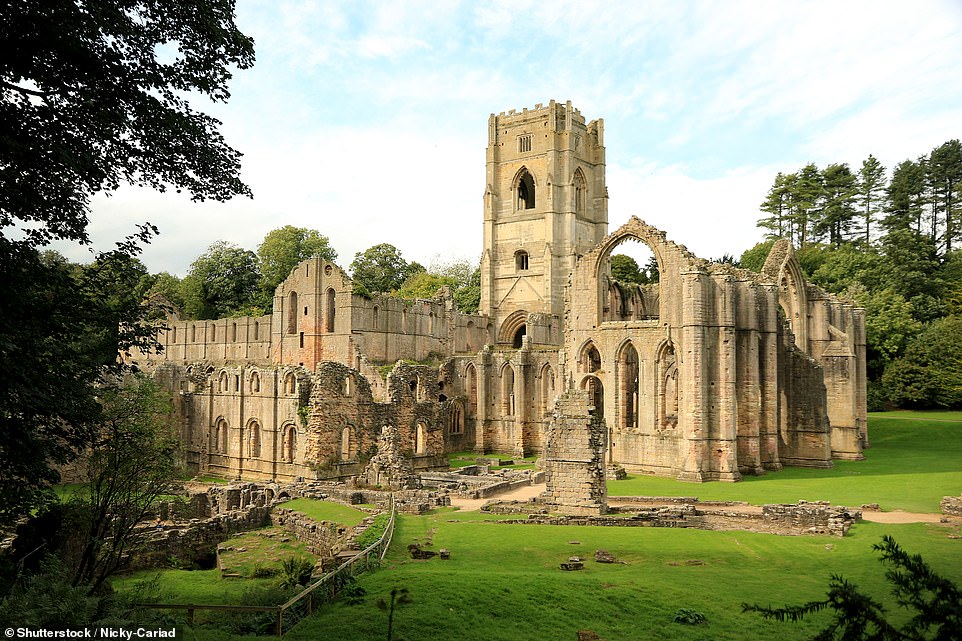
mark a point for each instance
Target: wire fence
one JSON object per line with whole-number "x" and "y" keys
{"x": 303, "y": 604}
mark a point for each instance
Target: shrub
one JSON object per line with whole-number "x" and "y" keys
{"x": 296, "y": 571}
{"x": 688, "y": 616}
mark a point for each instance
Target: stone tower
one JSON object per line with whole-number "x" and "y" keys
{"x": 545, "y": 203}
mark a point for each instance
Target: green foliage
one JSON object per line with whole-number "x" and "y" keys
{"x": 689, "y": 616}
{"x": 133, "y": 460}
{"x": 754, "y": 258}
{"x": 62, "y": 328}
{"x": 352, "y": 593}
{"x": 48, "y": 599}
{"x": 221, "y": 282}
{"x": 95, "y": 96}
{"x": 930, "y": 372}
{"x": 374, "y": 532}
{"x": 935, "y": 601}
{"x": 381, "y": 268}
{"x": 460, "y": 276}
{"x": 296, "y": 571}
{"x": 281, "y": 250}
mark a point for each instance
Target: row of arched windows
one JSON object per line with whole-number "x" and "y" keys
{"x": 524, "y": 190}
{"x": 250, "y": 440}
{"x": 228, "y": 383}
{"x": 630, "y": 382}
{"x": 211, "y": 335}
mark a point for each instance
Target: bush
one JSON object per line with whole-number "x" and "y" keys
{"x": 688, "y": 616}
{"x": 296, "y": 571}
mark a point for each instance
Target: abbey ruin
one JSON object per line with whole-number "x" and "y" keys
{"x": 711, "y": 373}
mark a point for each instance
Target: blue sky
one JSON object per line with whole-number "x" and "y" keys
{"x": 368, "y": 120}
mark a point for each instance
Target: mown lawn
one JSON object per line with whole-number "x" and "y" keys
{"x": 503, "y": 581}
{"x": 327, "y": 511}
{"x": 914, "y": 461}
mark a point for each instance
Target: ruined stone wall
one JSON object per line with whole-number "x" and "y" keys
{"x": 951, "y": 505}
{"x": 322, "y": 538}
{"x": 574, "y": 464}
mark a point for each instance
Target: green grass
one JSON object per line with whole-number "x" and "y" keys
{"x": 505, "y": 578}
{"x": 911, "y": 465}
{"x": 192, "y": 586}
{"x": 264, "y": 548}
{"x": 939, "y": 415}
{"x": 463, "y": 459}
{"x": 327, "y": 511}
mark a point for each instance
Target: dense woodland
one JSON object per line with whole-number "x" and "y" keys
{"x": 892, "y": 244}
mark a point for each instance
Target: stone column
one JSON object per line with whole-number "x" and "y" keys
{"x": 575, "y": 458}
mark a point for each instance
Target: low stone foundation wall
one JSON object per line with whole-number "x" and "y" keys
{"x": 322, "y": 538}
{"x": 194, "y": 541}
{"x": 407, "y": 501}
{"x": 799, "y": 519}
{"x": 951, "y": 505}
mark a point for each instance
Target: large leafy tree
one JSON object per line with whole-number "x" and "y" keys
{"x": 62, "y": 326}
{"x": 93, "y": 94}
{"x": 282, "y": 249}
{"x": 221, "y": 282}
{"x": 381, "y": 268}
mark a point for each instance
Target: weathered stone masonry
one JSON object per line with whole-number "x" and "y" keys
{"x": 711, "y": 373}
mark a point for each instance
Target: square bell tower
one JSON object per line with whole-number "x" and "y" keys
{"x": 545, "y": 203}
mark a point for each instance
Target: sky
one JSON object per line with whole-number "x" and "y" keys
{"x": 368, "y": 120}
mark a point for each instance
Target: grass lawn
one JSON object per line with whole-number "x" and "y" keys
{"x": 327, "y": 511}
{"x": 912, "y": 464}
{"x": 261, "y": 551}
{"x": 190, "y": 586}
{"x": 463, "y": 459}
{"x": 503, "y": 581}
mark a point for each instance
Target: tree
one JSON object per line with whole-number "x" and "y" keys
{"x": 930, "y": 372}
{"x": 93, "y": 94}
{"x": 905, "y": 195}
{"x": 281, "y": 250}
{"x": 62, "y": 328}
{"x": 838, "y": 208}
{"x": 754, "y": 257}
{"x": 625, "y": 269}
{"x": 871, "y": 190}
{"x": 935, "y": 601}
{"x": 221, "y": 282}
{"x": 806, "y": 198}
{"x": 945, "y": 180}
{"x": 381, "y": 268}
{"x": 776, "y": 205}
{"x": 132, "y": 461}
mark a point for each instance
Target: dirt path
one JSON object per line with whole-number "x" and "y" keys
{"x": 529, "y": 491}
{"x": 898, "y": 516}
{"x": 519, "y": 494}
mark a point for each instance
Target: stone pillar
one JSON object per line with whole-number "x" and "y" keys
{"x": 483, "y": 369}
{"x": 574, "y": 460}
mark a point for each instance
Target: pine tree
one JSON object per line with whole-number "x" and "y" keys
{"x": 944, "y": 178}
{"x": 806, "y": 201}
{"x": 870, "y": 196}
{"x": 776, "y": 205}
{"x": 906, "y": 196}
{"x": 838, "y": 206}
